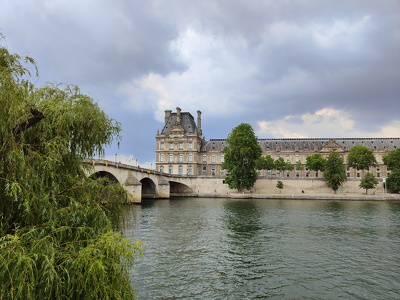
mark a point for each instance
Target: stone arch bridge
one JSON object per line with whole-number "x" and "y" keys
{"x": 140, "y": 183}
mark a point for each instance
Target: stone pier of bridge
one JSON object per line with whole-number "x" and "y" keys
{"x": 140, "y": 183}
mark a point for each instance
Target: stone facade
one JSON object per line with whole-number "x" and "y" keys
{"x": 181, "y": 149}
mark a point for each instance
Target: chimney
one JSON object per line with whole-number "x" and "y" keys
{"x": 167, "y": 115}
{"x": 199, "y": 120}
{"x": 178, "y": 115}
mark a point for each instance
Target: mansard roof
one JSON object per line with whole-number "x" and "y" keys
{"x": 187, "y": 122}
{"x": 312, "y": 144}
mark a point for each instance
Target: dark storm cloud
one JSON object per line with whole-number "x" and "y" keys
{"x": 286, "y": 64}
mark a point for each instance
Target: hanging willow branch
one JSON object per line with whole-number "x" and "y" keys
{"x": 37, "y": 116}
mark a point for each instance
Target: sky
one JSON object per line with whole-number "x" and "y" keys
{"x": 289, "y": 68}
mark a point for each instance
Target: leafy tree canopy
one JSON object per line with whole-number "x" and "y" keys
{"x": 241, "y": 157}
{"x": 281, "y": 165}
{"x": 279, "y": 185}
{"x": 334, "y": 171}
{"x": 299, "y": 166}
{"x": 315, "y": 162}
{"x": 393, "y": 180}
{"x": 368, "y": 182}
{"x": 361, "y": 157}
{"x": 392, "y": 159}
{"x": 56, "y": 237}
{"x": 265, "y": 163}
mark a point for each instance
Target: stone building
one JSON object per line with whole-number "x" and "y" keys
{"x": 181, "y": 149}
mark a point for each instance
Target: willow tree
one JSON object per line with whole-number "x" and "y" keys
{"x": 56, "y": 238}
{"x": 242, "y": 156}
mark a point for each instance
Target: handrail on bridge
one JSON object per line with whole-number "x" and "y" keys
{"x": 118, "y": 165}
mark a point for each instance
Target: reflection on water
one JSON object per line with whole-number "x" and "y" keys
{"x": 202, "y": 248}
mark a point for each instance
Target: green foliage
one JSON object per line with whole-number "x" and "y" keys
{"x": 279, "y": 185}
{"x": 335, "y": 171}
{"x": 361, "y": 157}
{"x": 241, "y": 157}
{"x": 315, "y": 162}
{"x": 299, "y": 166}
{"x": 281, "y": 165}
{"x": 368, "y": 181}
{"x": 392, "y": 159}
{"x": 265, "y": 163}
{"x": 393, "y": 180}
{"x": 56, "y": 237}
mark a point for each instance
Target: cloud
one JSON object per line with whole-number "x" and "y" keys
{"x": 327, "y": 122}
{"x": 286, "y": 65}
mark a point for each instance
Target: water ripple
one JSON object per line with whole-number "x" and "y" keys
{"x": 266, "y": 249}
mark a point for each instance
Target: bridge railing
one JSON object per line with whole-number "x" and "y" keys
{"x": 109, "y": 163}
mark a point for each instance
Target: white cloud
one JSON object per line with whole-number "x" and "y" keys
{"x": 327, "y": 122}
{"x": 214, "y": 80}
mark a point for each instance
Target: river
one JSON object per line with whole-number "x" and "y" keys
{"x": 213, "y": 248}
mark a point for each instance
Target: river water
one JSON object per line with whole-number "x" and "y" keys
{"x": 213, "y": 248}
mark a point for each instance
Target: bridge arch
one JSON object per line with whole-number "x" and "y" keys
{"x": 179, "y": 188}
{"x": 149, "y": 189}
{"x": 102, "y": 174}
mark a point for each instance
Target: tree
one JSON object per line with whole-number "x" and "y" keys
{"x": 361, "y": 157}
{"x": 334, "y": 171}
{"x": 279, "y": 185}
{"x": 315, "y": 162}
{"x": 393, "y": 180}
{"x": 368, "y": 181}
{"x": 56, "y": 237}
{"x": 299, "y": 166}
{"x": 265, "y": 163}
{"x": 392, "y": 161}
{"x": 281, "y": 165}
{"x": 241, "y": 156}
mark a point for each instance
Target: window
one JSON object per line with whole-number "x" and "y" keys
{"x": 162, "y": 169}
{"x": 378, "y": 174}
{"x": 358, "y": 174}
{"x": 348, "y": 174}
{"x": 162, "y": 157}
{"x": 180, "y": 157}
{"x": 213, "y": 158}
{"x": 287, "y": 158}
{"x": 180, "y": 170}
{"x": 378, "y": 158}
{"x": 162, "y": 146}
{"x": 190, "y": 156}
{"x": 190, "y": 170}
{"x": 213, "y": 170}
{"x": 297, "y": 157}
{"x": 316, "y": 174}
{"x": 277, "y": 156}
{"x": 170, "y": 170}
{"x": 171, "y": 157}
{"x": 222, "y": 158}
{"x": 190, "y": 145}
{"x": 204, "y": 158}
{"x": 180, "y": 146}
{"x": 171, "y": 146}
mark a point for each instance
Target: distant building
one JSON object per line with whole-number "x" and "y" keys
{"x": 181, "y": 149}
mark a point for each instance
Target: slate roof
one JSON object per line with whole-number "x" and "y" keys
{"x": 187, "y": 122}
{"x": 311, "y": 144}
